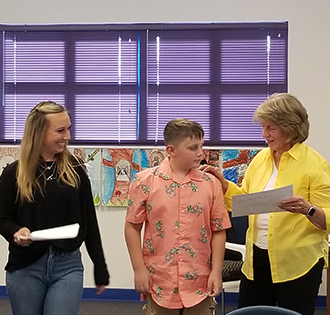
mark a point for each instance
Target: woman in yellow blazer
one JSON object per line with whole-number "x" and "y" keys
{"x": 285, "y": 251}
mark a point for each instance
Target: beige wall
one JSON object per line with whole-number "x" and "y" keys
{"x": 309, "y": 69}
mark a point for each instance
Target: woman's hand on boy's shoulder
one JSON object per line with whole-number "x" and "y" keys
{"x": 215, "y": 171}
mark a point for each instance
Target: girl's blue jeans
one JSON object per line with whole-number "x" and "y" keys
{"x": 51, "y": 286}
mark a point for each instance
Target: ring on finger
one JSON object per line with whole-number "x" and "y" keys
{"x": 18, "y": 238}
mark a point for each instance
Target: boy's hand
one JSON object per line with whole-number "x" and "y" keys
{"x": 143, "y": 281}
{"x": 214, "y": 284}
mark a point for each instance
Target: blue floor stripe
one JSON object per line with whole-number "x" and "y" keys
{"x": 130, "y": 295}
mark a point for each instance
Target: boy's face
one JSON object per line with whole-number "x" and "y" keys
{"x": 189, "y": 153}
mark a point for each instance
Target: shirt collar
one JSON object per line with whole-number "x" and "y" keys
{"x": 294, "y": 152}
{"x": 166, "y": 172}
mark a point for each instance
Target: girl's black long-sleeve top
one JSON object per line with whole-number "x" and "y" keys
{"x": 60, "y": 205}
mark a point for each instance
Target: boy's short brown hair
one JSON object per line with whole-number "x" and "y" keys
{"x": 179, "y": 129}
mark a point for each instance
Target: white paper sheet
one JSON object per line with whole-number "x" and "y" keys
{"x": 260, "y": 202}
{"x": 57, "y": 233}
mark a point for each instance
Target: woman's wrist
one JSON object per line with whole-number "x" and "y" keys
{"x": 311, "y": 211}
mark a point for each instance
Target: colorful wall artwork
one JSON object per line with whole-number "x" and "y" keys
{"x": 119, "y": 167}
{"x": 7, "y": 156}
{"x": 155, "y": 157}
{"x": 233, "y": 162}
{"x": 93, "y": 158}
{"x": 111, "y": 170}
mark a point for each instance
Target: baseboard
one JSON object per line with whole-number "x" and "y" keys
{"x": 130, "y": 295}
{"x": 232, "y": 299}
{"x": 3, "y": 293}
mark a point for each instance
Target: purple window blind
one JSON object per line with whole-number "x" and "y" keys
{"x": 124, "y": 83}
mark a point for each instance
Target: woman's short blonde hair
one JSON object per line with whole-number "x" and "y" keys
{"x": 286, "y": 111}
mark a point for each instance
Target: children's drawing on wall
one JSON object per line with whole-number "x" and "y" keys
{"x": 154, "y": 157}
{"x": 78, "y": 152}
{"x": 7, "y": 156}
{"x": 235, "y": 162}
{"x": 206, "y": 154}
{"x": 93, "y": 158}
{"x": 214, "y": 157}
{"x": 112, "y": 170}
{"x": 119, "y": 168}
{"x": 144, "y": 161}
{"x": 211, "y": 157}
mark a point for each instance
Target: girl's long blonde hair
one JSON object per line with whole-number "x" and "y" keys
{"x": 28, "y": 179}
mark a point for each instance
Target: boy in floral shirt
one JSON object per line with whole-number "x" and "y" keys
{"x": 179, "y": 267}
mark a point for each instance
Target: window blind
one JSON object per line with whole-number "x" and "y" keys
{"x": 121, "y": 84}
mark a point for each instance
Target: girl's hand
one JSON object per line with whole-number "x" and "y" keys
{"x": 22, "y": 237}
